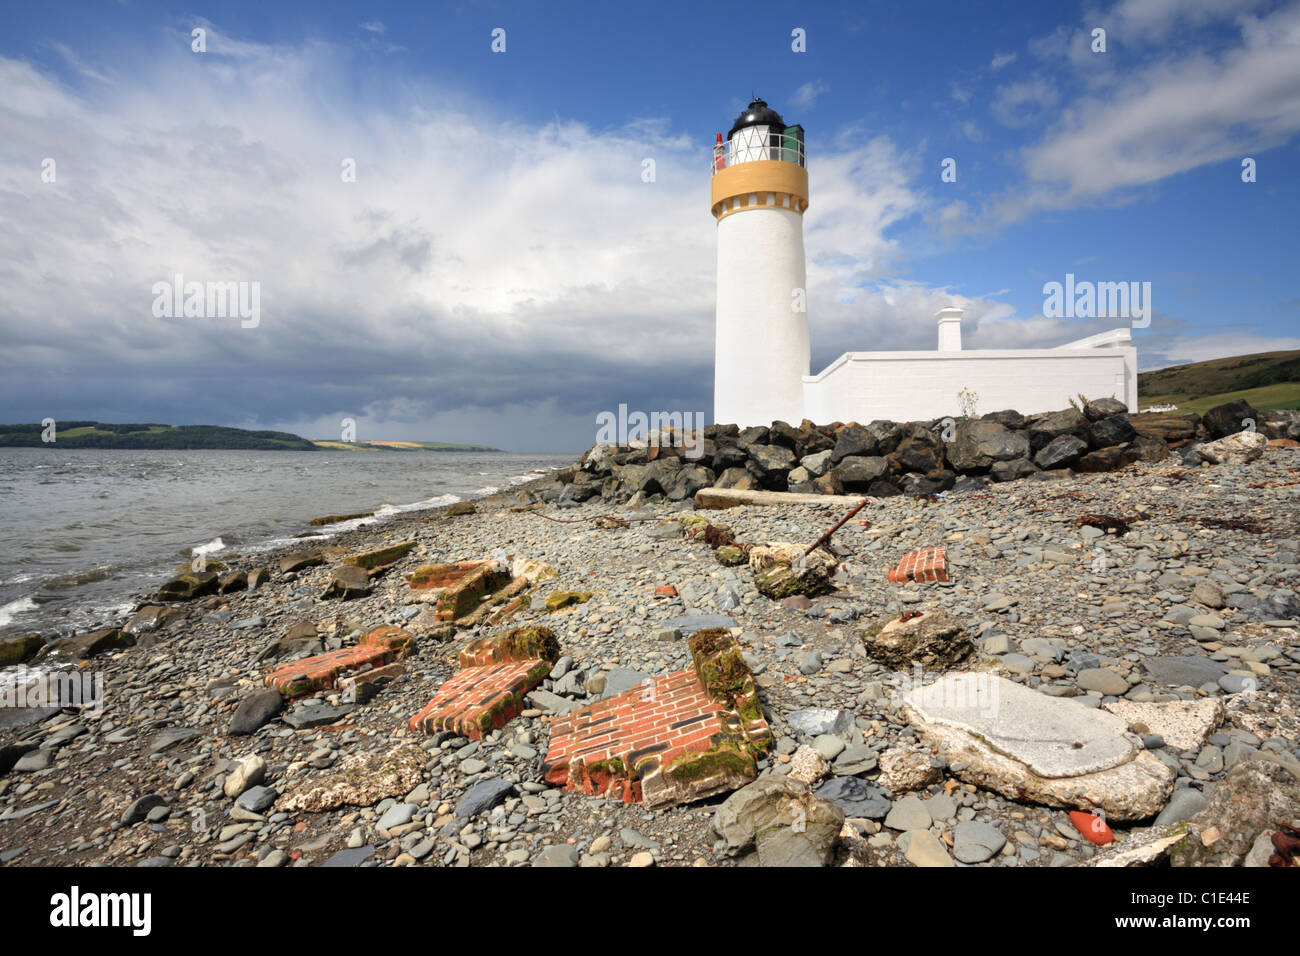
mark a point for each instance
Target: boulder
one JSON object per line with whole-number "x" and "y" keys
{"x": 17, "y": 648}
{"x": 688, "y": 481}
{"x": 348, "y": 582}
{"x": 978, "y": 444}
{"x": 853, "y": 441}
{"x": 1026, "y": 745}
{"x": 300, "y": 560}
{"x": 1113, "y": 430}
{"x": 935, "y": 638}
{"x": 1100, "y": 408}
{"x": 1168, "y": 427}
{"x": 1107, "y": 459}
{"x": 190, "y": 585}
{"x": 857, "y": 473}
{"x": 85, "y": 646}
{"x": 1061, "y": 452}
{"x": 1235, "y": 449}
{"x": 773, "y": 463}
{"x": 1048, "y": 425}
{"x": 1012, "y": 470}
{"x": 1229, "y": 418}
{"x": 255, "y": 711}
{"x": 782, "y": 820}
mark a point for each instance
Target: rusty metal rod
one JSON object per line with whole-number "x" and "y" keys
{"x": 826, "y": 538}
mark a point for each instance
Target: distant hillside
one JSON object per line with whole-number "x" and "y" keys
{"x": 84, "y": 434}
{"x": 399, "y": 446}
{"x": 1266, "y": 380}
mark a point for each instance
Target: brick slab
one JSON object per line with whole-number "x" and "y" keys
{"x": 926, "y": 565}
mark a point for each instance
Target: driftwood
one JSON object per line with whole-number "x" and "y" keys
{"x": 716, "y": 498}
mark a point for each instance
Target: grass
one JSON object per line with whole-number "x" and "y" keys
{"x": 1264, "y": 398}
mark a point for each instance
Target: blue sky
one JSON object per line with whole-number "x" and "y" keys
{"x": 500, "y": 272}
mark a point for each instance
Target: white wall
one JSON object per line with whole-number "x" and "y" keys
{"x": 761, "y": 351}
{"x": 913, "y": 386}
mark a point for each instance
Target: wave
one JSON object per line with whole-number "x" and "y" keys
{"x": 11, "y": 610}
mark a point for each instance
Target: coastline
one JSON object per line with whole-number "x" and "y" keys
{"x": 1016, "y": 549}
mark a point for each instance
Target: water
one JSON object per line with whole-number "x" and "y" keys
{"x": 82, "y": 530}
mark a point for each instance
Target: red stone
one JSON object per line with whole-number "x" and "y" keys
{"x": 1092, "y": 827}
{"x": 665, "y": 590}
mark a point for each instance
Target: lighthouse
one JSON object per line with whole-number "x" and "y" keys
{"x": 759, "y": 192}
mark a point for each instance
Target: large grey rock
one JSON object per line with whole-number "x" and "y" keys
{"x": 820, "y": 721}
{"x": 783, "y": 820}
{"x": 855, "y": 797}
{"x": 254, "y": 711}
{"x": 1026, "y": 745}
{"x": 1183, "y": 671}
{"x": 1230, "y": 418}
{"x": 978, "y": 444}
{"x": 974, "y": 841}
{"x": 1183, "y": 805}
{"x": 484, "y": 795}
{"x": 1061, "y": 451}
{"x": 1234, "y": 449}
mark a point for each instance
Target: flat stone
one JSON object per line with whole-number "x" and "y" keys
{"x": 484, "y": 795}
{"x": 1183, "y": 724}
{"x": 975, "y": 841}
{"x": 1102, "y": 680}
{"x": 352, "y": 856}
{"x": 1027, "y": 745}
{"x": 1183, "y": 671}
{"x": 256, "y": 799}
{"x": 822, "y": 721}
{"x": 1183, "y": 805}
{"x": 691, "y": 623}
{"x": 926, "y": 849}
{"x": 315, "y": 715}
{"x": 396, "y": 816}
{"x": 855, "y": 797}
{"x": 908, "y": 813}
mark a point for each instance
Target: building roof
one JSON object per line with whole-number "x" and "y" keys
{"x": 757, "y": 113}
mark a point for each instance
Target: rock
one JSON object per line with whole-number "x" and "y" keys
{"x": 256, "y": 799}
{"x": 171, "y": 737}
{"x": 1182, "y": 671}
{"x": 1007, "y": 738}
{"x": 904, "y": 769}
{"x": 855, "y": 797}
{"x": 975, "y": 841}
{"x": 557, "y": 855}
{"x": 1183, "y": 805}
{"x": 1102, "y": 680}
{"x": 360, "y": 780}
{"x": 397, "y": 815}
{"x": 299, "y": 560}
{"x": 249, "y": 773}
{"x": 925, "y": 849}
{"x": 1099, "y": 408}
{"x": 979, "y": 444}
{"x": 1249, "y": 801}
{"x": 1208, "y": 593}
{"x": 17, "y": 648}
{"x": 188, "y": 586}
{"x": 815, "y": 722}
{"x": 140, "y": 808}
{"x": 1060, "y": 452}
{"x": 1114, "y": 430}
{"x": 933, "y": 639}
{"x": 1235, "y": 449}
{"x": 1229, "y": 418}
{"x": 1092, "y": 827}
{"x": 852, "y": 441}
{"x": 353, "y": 856}
{"x": 85, "y": 646}
{"x": 857, "y": 473}
{"x": 1184, "y": 724}
{"x": 348, "y": 582}
{"x": 484, "y": 795}
{"x": 908, "y": 813}
{"x": 783, "y": 820}
{"x": 255, "y": 711}
{"x": 808, "y": 766}
{"x": 690, "y": 624}
{"x": 315, "y": 715}
{"x": 1107, "y": 459}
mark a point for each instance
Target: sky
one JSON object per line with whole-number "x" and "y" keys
{"x": 499, "y": 270}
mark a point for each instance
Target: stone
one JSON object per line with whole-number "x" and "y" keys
{"x": 256, "y": 799}
{"x": 17, "y": 648}
{"x": 249, "y": 773}
{"x": 1183, "y": 805}
{"x": 783, "y": 820}
{"x": 855, "y": 797}
{"x": 975, "y": 841}
{"x": 315, "y": 715}
{"x": 1026, "y": 745}
{"x": 808, "y": 766}
{"x": 1183, "y": 724}
{"x": 347, "y": 583}
{"x": 1182, "y": 671}
{"x": 903, "y": 769}
{"x": 1229, "y": 418}
{"x": 933, "y": 638}
{"x": 560, "y": 855}
{"x": 1061, "y": 452}
{"x": 816, "y": 722}
{"x": 926, "y": 850}
{"x": 141, "y": 807}
{"x": 908, "y": 813}
{"x": 978, "y": 444}
{"x": 255, "y": 711}
{"x": 484, "y": 795}
{"x": 1249, "y": 801}
{"x": 399, "y": 814}
{"x": 1235, "y": 449}
{"x": 360, "y": 780}
{"x": 1102, "y": 680}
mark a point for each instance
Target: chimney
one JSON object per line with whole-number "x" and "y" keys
{"x": 949, "y": 329}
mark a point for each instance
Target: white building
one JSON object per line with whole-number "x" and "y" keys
{"x": 762, "y": 355}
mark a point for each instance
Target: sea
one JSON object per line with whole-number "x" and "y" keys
{"x": 82, "y": 530}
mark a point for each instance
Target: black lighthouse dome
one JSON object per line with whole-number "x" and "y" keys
{"x": 758, "y": 113}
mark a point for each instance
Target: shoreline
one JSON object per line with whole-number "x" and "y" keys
{"x": 1016, "y": 550}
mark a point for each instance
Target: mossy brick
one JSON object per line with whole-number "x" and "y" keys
{"x": 429, "y": 576}
{"x": 479, "y": 699}
{"x": 466, "y": 594}
{"x": 560, "y": 599}
{"x": 520, "y": 644}
{"x": 390, "y": 637}
{"x": 380, "y": 556}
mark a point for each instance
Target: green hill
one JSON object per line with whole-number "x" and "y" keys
{"x": 85, "y": 434}
{"x": 1266, "y": 379}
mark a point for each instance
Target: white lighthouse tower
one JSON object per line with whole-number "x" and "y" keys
{"x": 759, "y": 194}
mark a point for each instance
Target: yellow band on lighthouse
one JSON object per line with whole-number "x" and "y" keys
{"x": 759, "y": 184}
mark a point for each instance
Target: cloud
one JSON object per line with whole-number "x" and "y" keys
{"x": 483, "y": 279}
{"x": 1017, "y": 104}
{"x": 1002, "y": 59}
{"x": 1139, "y": 21}
{"x": 374, "y": 26}
{"x": 806, "y": 96}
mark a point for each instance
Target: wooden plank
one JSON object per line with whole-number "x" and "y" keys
{"x": 717, "y": 498}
